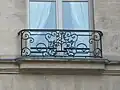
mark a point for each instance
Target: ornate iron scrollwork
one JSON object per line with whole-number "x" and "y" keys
{"x": 61, "y": 43}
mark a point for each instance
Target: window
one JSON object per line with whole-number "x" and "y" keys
{"x": 61, "y": 28}
{"x": 60, "y": 14}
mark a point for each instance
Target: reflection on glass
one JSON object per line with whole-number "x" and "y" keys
{"x": 42, "y": 15}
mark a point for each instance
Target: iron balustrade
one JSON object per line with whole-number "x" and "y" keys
{"x": 61, "y": 43}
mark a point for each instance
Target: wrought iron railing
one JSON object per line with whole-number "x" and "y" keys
{"x": 61, "y": 43}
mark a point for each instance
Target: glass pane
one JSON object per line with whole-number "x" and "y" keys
{"x": 75, "y": 15}
{"x": 42, "y": 15}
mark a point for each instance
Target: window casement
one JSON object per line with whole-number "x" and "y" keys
{"x": 61, "y": 14}
{"x": 61, "y": 28}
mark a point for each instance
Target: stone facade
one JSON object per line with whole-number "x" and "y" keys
{"x": 58, "y": 82}
{"x": 13, "y": 18}
{"x": 107, "y": 20}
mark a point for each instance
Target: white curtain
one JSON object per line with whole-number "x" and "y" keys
{"x": 79, "y": 13}
{"x": 39, "y": 12}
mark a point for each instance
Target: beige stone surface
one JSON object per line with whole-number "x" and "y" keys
{"x": 50, "y": 82}
{"x": 12, "y": 19}
{"x": 107, "y": 19}
{"x": 58, "y": 82}
{"x": 110, "y": 80}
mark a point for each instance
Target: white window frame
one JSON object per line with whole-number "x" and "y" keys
{"x": 59, "y": 12}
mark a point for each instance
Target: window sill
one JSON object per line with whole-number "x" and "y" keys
{"x": 62, "y": 66}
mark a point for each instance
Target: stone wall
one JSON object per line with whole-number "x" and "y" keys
{"x": 58, "y": 82}
{"x": 107, "y": 19}
{"x": 12, "y": 19}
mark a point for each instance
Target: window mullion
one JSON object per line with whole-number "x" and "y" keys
{"x": 59, "y": 14}
{"x": 91, "y": 14}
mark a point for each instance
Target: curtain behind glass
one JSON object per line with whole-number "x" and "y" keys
{"x": 75, "y": 16}
{"x": 42, "y": 16}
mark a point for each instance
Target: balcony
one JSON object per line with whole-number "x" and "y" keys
{"x": 55, "y": 43}
{"x": 54, "y": 51}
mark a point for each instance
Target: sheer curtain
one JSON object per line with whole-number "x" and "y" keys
{"x": 76, "y": 17}
{"x": 41, "y": 15}
{"x": 79, "y": 13}
{"x": 39, "y": 12}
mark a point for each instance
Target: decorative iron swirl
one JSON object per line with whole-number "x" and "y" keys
{"x": 41, "y": 47}
{"x": 71, "y": 52}
{"x": 67, "y": 43}
{"x": 26, "y": 51}
{"x": 50, "y": 37}
{"x": 59, "y": 38}
{"x": 95, "y": 36}
{"x": 69, "y": 37}
{"x": 44, "y": 54}
{"x": 97, "y": 52}
{"x": 82, "y": 47}
{"x": 26, "y": 36}
{"x": 52, "y": 51}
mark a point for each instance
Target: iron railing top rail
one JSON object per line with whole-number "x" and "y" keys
{"x": 66, "y": 30}
{"x": 61, "y": 43}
